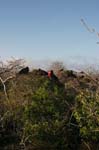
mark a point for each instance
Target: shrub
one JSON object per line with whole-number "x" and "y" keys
{"x": 87, "y": 114}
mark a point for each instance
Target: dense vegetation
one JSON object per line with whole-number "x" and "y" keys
{"x": 42, "y": 113}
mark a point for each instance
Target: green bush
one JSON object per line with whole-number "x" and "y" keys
{"x": 87, "y": 114}
{"x": 44, "y": 115}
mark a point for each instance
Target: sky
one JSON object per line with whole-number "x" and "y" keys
{"x": 49, "y": 30}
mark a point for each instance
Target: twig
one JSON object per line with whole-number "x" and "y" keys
{"x": 87, "y": 145}
{"x": 4, "y": 86}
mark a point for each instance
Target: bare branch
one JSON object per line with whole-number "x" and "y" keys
{"x": 91, "y": 30}
{"x": 9, "y": 70}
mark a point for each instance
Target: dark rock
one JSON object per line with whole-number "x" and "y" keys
{"x": 24, "y": 70}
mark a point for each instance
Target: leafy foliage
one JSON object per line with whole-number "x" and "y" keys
{"x": 87, "y": 114}
{"x": 42, "y": 113}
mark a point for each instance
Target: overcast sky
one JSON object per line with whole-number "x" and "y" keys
{"x": 49, "y": 29}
